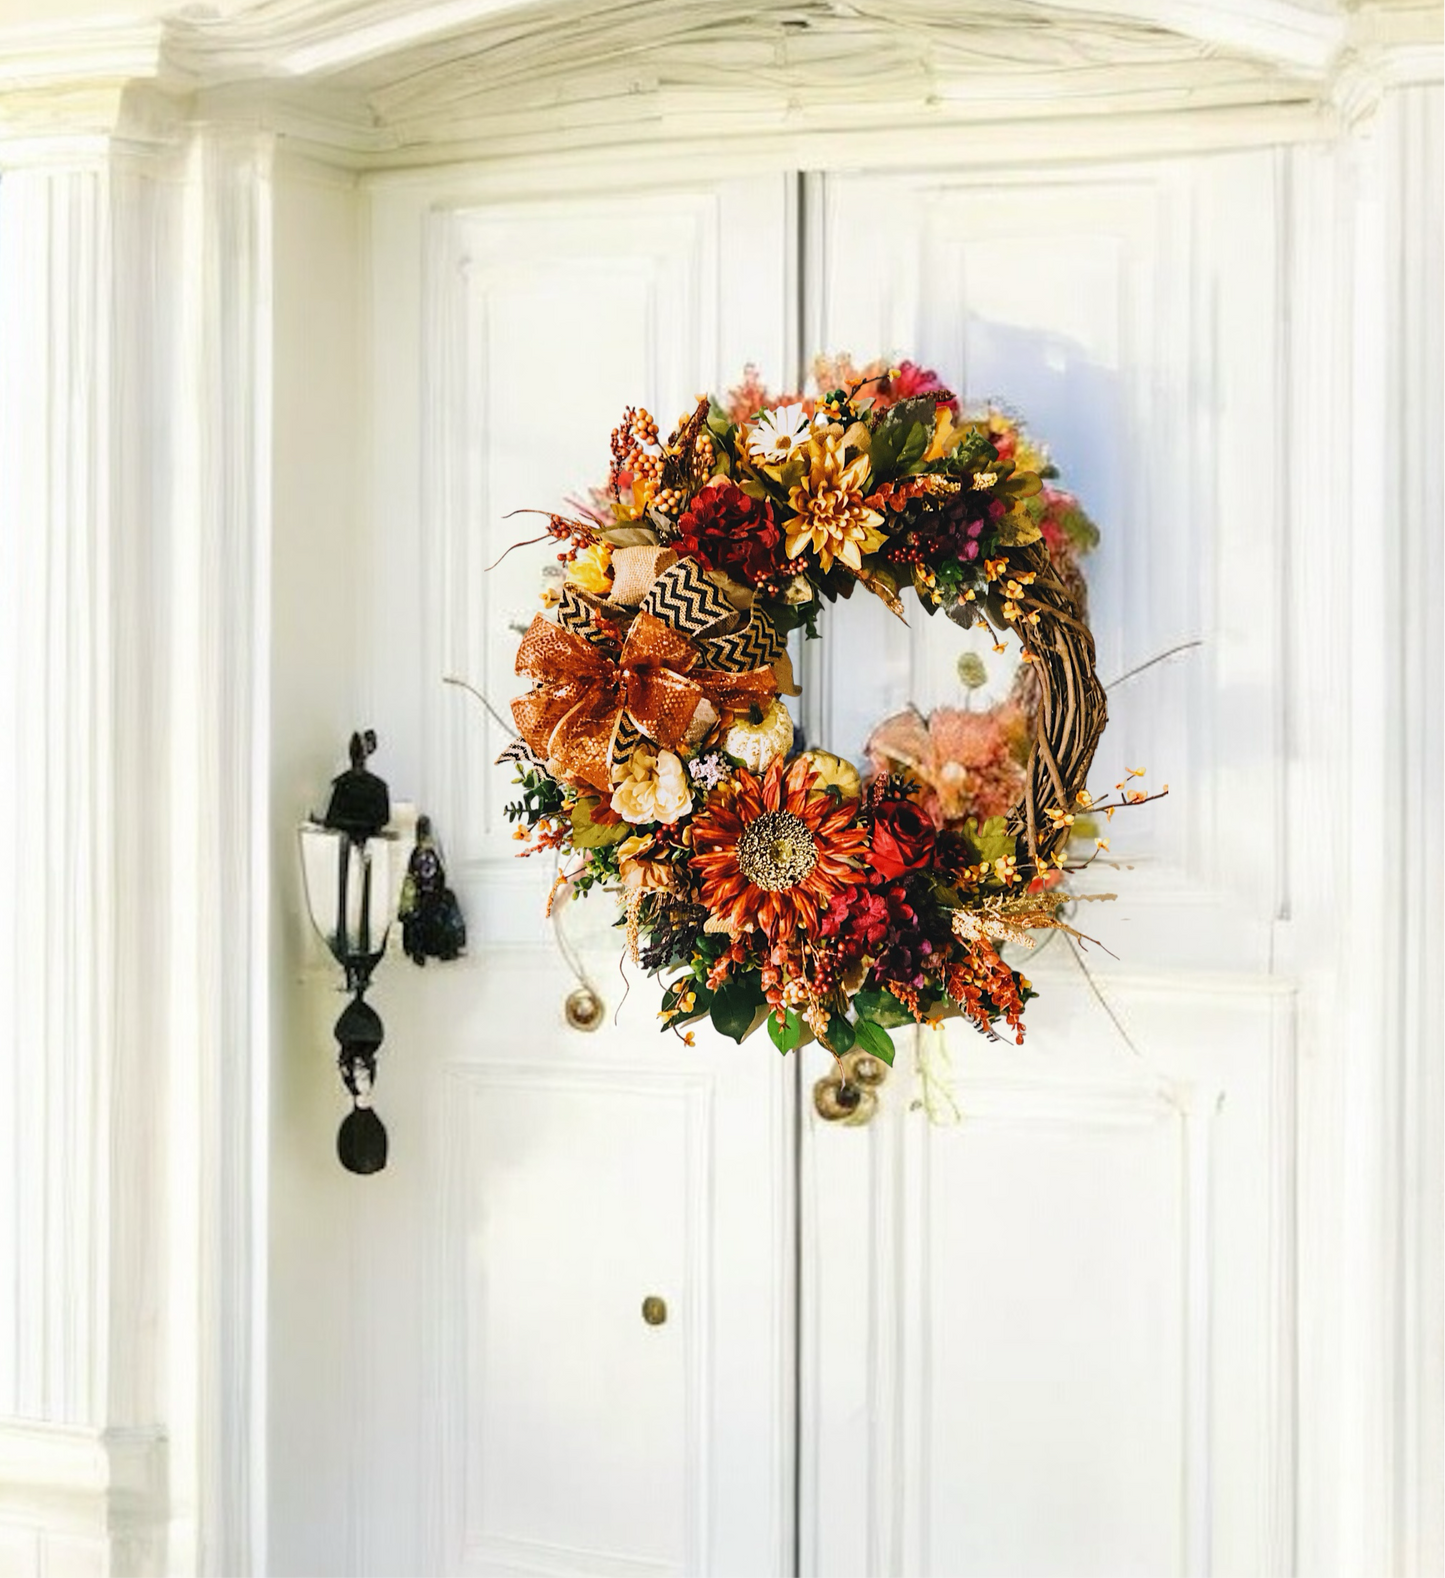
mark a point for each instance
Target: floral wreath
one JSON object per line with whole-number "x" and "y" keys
{"x": 763, "y": 882}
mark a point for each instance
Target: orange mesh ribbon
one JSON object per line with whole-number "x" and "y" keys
{"x": 583, "y": 694}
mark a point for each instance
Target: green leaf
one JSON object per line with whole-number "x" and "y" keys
{"x": 1018, "y": 485}
{"x": 629, "y": 535}
{"x": 711, "y": 945}
{"x": 881, "y": 1008}
{"x": 887, "y": 441}
{"x": 791, "y": 473}
{"x": 1017, "y": 528}
{"x": 875, "y": 1039}
{"x": 914, "y": 445}
{"x": 974, "y": 451}
{"x": 735, "y": 1005}
{"x": 944, "y": 896}
{"x": 787, "y": 1033}
{"x": 905, "y": 428}
{"x": 992, "y": 841}
{"x": 916, "y": 409}
{"x": 840, "y": 1036}
{"x": 719, "y": 423}
{"x": 587, "y": 834}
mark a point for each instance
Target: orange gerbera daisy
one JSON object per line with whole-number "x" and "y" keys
{"x": 771, "y": 854}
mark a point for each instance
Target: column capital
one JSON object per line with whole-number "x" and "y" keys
{"x": 68, "y": 92}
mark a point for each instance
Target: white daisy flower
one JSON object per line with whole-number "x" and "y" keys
{"x": 776, "y": 434}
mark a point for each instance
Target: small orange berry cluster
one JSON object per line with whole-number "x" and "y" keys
{"x": 632, "y": 442}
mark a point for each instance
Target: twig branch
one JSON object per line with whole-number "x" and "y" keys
{"x": 1099, "y": 997}
{"x": 507, "y": 728}
{"x": 1159, "y": 657}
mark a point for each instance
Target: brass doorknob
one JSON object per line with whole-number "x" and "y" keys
{"x": 847, "y": 1094}
{"x": 584, "y": 1009}
{"x": 654, "y": 1310}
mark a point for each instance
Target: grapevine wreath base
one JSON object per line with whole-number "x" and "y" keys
{"x": 764, "y": 883}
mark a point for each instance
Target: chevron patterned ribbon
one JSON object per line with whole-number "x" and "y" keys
{"x": 757, "y": 645}
{"x": 575, "y": 614}
{"x": 520, "y": 751}
{"x": 686, "y": 599}
{"x": 683, "y": 596}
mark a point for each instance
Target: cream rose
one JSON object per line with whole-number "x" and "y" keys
{"x": 654, "y": 788}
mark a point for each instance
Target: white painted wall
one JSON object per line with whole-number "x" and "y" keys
{"x": 314, "y": 1220}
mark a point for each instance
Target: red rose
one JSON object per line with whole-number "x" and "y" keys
{"x": 902, "y": 838}
{"x": 726, "y": 529}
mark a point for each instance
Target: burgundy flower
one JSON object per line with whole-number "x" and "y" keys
{"x": 858, "y": 920}
{"x": 902, "y": 838}
{"x": 728, "y": 530}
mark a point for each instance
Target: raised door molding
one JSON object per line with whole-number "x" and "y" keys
{"x": 518, "y": 1416}
{"x": 1141, "y": 340}
{"x": 510, "y": 304}
{"x": 1056, "y": 1335}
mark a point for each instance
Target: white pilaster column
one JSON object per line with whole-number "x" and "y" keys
{"x": 1367, "y": 480}
{"x": 1418, "y": 112}
{"x": 82, "y": 1478}
{"x": 134, "y": 532}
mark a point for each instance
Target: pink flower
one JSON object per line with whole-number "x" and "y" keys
{"x": 966, "y": 761}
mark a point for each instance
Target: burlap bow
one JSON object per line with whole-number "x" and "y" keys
{"x": 589, "y": 706}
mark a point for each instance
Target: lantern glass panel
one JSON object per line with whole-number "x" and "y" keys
{"x": 352, "y": 915}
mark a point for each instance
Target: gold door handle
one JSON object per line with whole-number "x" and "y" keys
{"x": 654, "y": 1310}
{"x": 848, "y": 1093}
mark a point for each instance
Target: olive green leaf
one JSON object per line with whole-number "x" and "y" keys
{"x": 587, "y": 834}
{"x": 881, "y": 1008}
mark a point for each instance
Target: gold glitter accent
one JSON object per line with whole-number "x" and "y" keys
{"x": 635, "y": 901}
{"x": 776, "y": 851}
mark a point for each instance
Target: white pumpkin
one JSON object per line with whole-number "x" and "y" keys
{"x": 758, "y": 745}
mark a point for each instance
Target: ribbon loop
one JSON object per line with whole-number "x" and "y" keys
{"x": 589, "y": 708}
{"x": 635, "y": 569}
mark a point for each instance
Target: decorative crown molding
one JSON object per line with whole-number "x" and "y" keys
{"x": 1300, "y": 37}
{"x": 104, "y": 50}
{"x": 386, "y": 83}
{"x": 76, "y": 1460}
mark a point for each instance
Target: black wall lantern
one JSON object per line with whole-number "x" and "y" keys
{"x": 353, "y": 872}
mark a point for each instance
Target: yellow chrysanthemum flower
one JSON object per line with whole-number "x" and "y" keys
{"x": 592, "y": 570}
{"x": 832, "y": 518}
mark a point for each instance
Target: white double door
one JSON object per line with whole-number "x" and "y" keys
{"x": 1055, "y": 1337}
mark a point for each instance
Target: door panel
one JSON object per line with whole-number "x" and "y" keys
{"x": 576, "y": 1176}
{"x": 1062, "y": 1324}
{"x": 497, "y": 1404}
{"x": 1050, "y": 1338}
